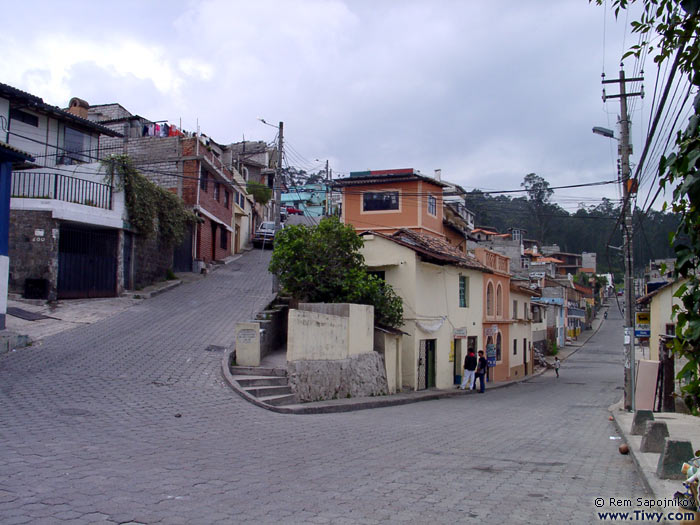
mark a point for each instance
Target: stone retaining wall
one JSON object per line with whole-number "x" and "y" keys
{"x": 358, "y": 376}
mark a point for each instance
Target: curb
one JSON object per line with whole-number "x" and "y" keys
{"x": 642, "y": 473}
{"x": 345, "y": 406}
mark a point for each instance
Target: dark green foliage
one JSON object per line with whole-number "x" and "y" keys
{"x": 261, "y": 193}
{"x": 589, "y": 229}
{"x": 323, "y": 264}
{"x": 151, "y": 208}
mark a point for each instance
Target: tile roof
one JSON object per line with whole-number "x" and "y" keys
{"x": 486, "y": 232}
{"x": 432, "y": 248}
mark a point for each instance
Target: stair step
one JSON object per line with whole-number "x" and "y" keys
{"x": 258, "y": 371}
{"x": 248, "y": 381}
{"x": 288, "y": 399}
{"x": 264, "y": 391}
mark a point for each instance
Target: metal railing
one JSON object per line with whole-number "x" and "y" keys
{"x": 36, "y": 185}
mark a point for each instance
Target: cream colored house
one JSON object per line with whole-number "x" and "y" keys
{"x": 661, "y": 302}
{"x": 521, "y": 330}
{"x": 442, "y": 293}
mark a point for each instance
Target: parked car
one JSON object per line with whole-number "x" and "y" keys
{"x": 294, "y": 211}
{"x": 265, "y": 235}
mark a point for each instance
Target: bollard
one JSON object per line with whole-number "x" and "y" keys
{"x": 654, "y": 437}
{"x": 640, "y": 420}
{"x": 675, "y": 453}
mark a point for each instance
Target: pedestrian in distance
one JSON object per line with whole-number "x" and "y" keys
{"x": 557, "y": 364}
{"x": 481, "y": 368}
{"x": 469, "y": 369}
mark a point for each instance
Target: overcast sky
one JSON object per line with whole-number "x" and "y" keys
{"x": 486, "y": 91}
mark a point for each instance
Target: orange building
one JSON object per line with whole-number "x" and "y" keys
{"x": 387, "y": 200}
{"x": 497, "y": 318}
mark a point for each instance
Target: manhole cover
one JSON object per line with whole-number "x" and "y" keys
{"x": 215, "y": 348}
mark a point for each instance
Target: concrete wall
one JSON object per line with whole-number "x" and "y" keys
{"x": 316, "y": 336}
{"x": 360, "y": 336}
{"x": 330, "y": 352}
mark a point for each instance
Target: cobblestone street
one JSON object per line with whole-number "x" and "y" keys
{"x": 129, "y": 420}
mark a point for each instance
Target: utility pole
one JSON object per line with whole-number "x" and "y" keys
{"x": 328, "y": 190}
{"x": 278, "y": 195}
{"x": 629, "y": 187}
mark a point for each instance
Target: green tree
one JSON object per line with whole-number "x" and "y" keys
{"x": 323, "y": 263}
{"x": 669, "y": 30}
{"x": 151, "y": 208}
{"x": 261, "y": 193}
{"x": 538, "y": 195}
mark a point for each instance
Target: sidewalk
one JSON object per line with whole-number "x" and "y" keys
{"x": 680, "y": 426}
{"x": 278, "y": 359}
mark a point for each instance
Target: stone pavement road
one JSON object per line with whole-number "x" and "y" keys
{"x": 128, "y": 420}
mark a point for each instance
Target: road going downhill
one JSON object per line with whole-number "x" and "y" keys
{"x": 128, "y": 420}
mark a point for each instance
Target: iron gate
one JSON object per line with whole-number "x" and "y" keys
{"x": 182, "y": 255}
{"x": 87, "y": 262}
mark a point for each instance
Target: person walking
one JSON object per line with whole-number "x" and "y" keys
{"x": 469, "y": 368}
{"x": 557, "y": 364}
{"x": 481, "y": 368}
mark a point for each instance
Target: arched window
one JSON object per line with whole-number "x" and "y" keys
{"x": 499, "y": 301}
{"x": 489, "y": 299}
{"x": 498, "y": 345}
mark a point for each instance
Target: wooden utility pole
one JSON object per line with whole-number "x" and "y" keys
{"x": 276, "y": 186}
{"x": 328, "y": 191}
{"x": 629, "y": 187}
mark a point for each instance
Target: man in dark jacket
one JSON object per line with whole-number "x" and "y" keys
{"x": 469, "y": 368}
{"x": 481, "y": 372}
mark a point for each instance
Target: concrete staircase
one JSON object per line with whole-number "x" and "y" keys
{"x": 268, "y": 385}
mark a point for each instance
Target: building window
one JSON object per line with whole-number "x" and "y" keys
{"x": 671, "y": 330}
{"x": 463, "y": 291}
{"x": 489, "y": 299}
{"x": 515, "y": 347}
{"x": 517, "y": 235}
{"x": 380, "y": 201}
{"x": 224, "y": 238}
{"x": 23, "y": 116}
{"x": 217, "y": 191}
{"x": 515, "y": 309}
{"x": 499, "y": 301}
{"x": 76, "y": 145}
{"x": 379, "y": 274}
{"x": 432, "y": 205}
{"x": 227, "y": 199}
{"x": 524, "y": 262}
{"x": 204, "y": 181}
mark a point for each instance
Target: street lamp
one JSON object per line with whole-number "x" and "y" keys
{"x": 276, "y": 187}
{"x": 605, "y": 132}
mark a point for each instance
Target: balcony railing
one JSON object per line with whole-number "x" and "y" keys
{"x": 34, "y": 185}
